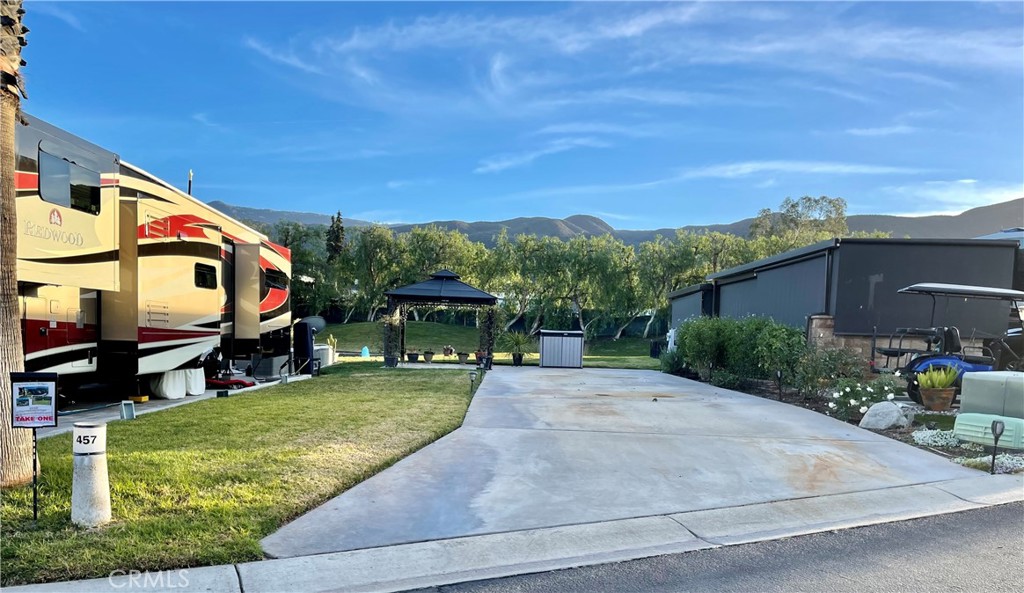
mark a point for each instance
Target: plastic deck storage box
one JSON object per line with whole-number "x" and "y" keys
{"x": 561, "y": 349}
{"x": 977, "y": 428}
{"x": 999, "y": 392}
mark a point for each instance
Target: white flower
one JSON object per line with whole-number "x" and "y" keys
{"x": 896, "y": 374}
{"x": 835, "y": 396}
{"x": 864, "y": 399}
{"x": 858, "y": 384}
{"x": 854, "y": 402}
{"x": 832, "y": 405}
{"x": 863, "y": 409}
{"x": 890, "y": 397}
{"x": 847, "y": 390}
{"x": 870, "y": 390}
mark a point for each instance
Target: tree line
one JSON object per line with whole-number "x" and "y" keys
{"x": 593, "y": 283}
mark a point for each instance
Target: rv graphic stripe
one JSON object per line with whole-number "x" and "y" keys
{"x": 85, "y": 258}
{"x": 181, "y": 248}
{"x": 53, "y": 360}
{"x": 148, "y": 335}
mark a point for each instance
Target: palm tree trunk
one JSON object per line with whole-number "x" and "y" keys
{"x": 15, "y": 444}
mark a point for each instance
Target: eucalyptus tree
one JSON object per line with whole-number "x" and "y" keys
{"x": 377, "y": 259}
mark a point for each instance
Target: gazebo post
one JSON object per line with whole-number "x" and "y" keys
{"x": 403, "y": 310}
{"x": 487, "y": 334}
{"x": 390, "y": 327}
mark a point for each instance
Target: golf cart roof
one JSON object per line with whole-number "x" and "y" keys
{"x": 963, "y": 290}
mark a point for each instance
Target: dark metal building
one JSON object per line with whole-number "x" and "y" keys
{"x": 855, "y": 281}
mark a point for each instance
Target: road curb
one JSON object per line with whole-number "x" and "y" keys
{"x": 448, "y": 561}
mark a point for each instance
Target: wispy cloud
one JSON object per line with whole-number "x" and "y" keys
{"x": 836, "y": 92}
{"x": 50, "y": 9}
{"x": 502, "y": 162}
{"x": 603, "y": 128}
{"x": 744, "y": 169}
{"x": 396, "y": 184}
{"x": 285, "y": 57}
{"x": 882, "y": 131}
{"x": 651, "y": 96}
{"x": 615, "y": 216}
{"x": 381, "y": 216}
{"x": 951, "y": 197}
{"x": 205, "y": 120}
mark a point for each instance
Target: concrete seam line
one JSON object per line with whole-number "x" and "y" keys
{"x": 667, "y": 434}
{"x": 703, "y": 539}
{"x": 241, "y": 587}
{"x": 937, "y": 486}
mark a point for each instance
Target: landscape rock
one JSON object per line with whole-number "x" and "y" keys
{"x": 885, "y": 415}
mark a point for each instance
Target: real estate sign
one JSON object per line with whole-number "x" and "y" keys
{"x": 35, "y": 400}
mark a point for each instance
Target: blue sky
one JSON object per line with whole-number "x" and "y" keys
{"x": 648, "y": 115}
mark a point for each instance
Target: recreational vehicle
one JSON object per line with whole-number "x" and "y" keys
{"x": 124, "y": 275}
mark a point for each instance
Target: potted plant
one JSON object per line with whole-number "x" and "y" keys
{"x": 936, "y": 385}
{"x": 428, "y": 355}
{"x": 479, "y": 357}
{"x": 412, "y": 356}
{"x": 448, "y": 350}
{"x": 518, "y": 344}
{"x": 463, "y": 357}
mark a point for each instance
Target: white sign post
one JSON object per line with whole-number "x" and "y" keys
{"x": 90, "y": 483}
{"x": 35, "y": 406}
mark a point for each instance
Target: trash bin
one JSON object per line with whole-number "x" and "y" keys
{"x": 656, "y": 348}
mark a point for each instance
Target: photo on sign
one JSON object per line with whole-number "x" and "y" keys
{"x": 34, "y": 404}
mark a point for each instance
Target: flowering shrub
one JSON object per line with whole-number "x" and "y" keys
{"x": 849, "y": 398}
{"x": 820, "y": 368}
{"x": 1006, "y": 463}
{"x": 935, "y": 438}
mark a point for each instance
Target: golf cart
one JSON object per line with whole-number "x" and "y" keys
{"x": 942, "y": 345}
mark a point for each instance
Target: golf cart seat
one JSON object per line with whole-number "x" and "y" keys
{"x": 952, "y": 345}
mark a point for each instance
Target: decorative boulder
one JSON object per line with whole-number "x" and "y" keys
{"x": 885, "y": 415}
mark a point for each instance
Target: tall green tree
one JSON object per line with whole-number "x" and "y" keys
{"x": 378, "y": 259}
{"x": 336, "y": 246}
{"x": 312, "y": 287}
{"x": 15, "y": 445}
{"x": 803, "y": 221}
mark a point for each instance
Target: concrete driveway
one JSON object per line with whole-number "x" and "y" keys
{"x": 553, "y": 447}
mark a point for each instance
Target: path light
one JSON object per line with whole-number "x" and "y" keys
{"x": 997, "y": 431}
{"x": 472, "y": 380}
{"x": 778, "y": 378}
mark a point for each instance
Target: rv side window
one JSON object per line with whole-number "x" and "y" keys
{"x": 275, "y": 279}
{"x": 66, "y": 184}
{"x": 206, "y": 276}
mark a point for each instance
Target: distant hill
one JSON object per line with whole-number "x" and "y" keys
{"x": 971, "y": 223}
{"x": 268, "y": 216}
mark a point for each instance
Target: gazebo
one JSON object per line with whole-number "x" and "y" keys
{"x": 442, "y": 289}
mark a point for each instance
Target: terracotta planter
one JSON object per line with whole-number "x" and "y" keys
{"x": 937, "y": 400}
{"x": 463, "y": 357}
{"x": 428, "y": 356}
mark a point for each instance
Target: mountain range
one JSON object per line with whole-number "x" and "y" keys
{"x": 970, "y": 223}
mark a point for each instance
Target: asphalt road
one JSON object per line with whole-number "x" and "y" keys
{"x": 976, "y": 551}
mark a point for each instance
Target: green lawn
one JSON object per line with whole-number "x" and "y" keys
{"x": 201, "y": 484}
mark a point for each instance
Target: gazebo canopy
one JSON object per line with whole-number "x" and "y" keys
{"x": 443, "y": 287}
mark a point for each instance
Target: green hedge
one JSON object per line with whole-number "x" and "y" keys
{"x": 730, "y": 351}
